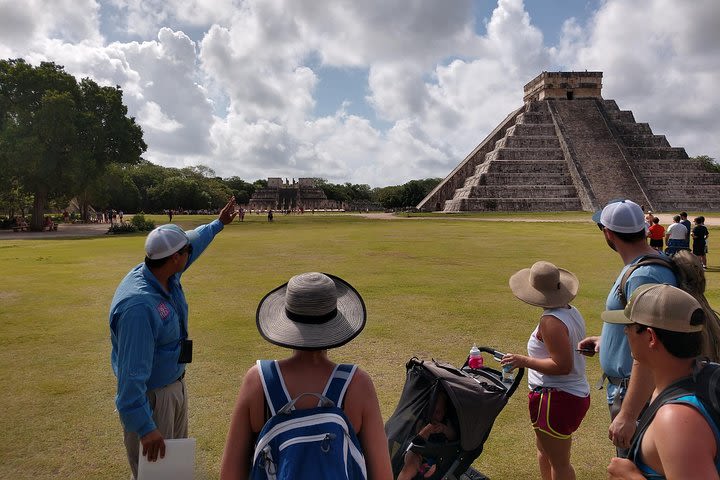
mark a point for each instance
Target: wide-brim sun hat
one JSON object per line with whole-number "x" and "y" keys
{"x": 544, "y": 285}
{"x": 312, "y": 311}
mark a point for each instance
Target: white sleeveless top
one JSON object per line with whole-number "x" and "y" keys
{"x": 575, "y": 382}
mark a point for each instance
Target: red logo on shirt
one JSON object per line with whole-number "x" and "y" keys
{"x": 163, "y": 310}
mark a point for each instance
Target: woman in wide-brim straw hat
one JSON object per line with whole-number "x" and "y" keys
{"x": 559, "y": 392}
{"x": 310, "y": 314}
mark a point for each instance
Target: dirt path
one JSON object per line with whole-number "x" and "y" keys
{"x": 65, "y": 230}
{"x": 80, "y": 230}
{"x": 665, "y": 219}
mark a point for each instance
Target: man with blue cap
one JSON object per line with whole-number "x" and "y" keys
{"x": 149, "y": 336}
{"x": 629, "y": 383}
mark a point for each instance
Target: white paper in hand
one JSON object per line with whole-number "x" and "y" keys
{"x": 178, "y": 463}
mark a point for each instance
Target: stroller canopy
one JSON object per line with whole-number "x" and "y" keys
{"x": 477, "y": 401}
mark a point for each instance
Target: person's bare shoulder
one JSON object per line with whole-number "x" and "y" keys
{"x": 684, "y": 425}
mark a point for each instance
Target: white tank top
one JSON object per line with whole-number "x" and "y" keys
{"x": 574, "y": 382}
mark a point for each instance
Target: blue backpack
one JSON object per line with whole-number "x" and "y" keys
{"x": 316, "y": 443}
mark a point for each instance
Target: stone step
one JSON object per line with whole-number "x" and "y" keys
{"x": 525, "y": 154}
{"x": 657, "y": 141}
{"x": 529, "y": 130}
{"x": 536, "y": 106}
{"x": 633, "y": 128}
{"x": 527, "y": 166}
{"x": 668, "y": 165}
{"x": 610, "y": 105}
{"x": 534, "y": 178}
{"x": 534, "y": 118}
{"x": 621, "y": 116}
{"x": 684, "y": 191}
{"x": 652, "y": 153}
{"x": 528, "y": 142}
{"x": 522, "y": 191}
{"x": 512, "y": 204}
{"x": 663, "y": 181}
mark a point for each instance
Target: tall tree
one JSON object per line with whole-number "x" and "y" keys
{"x": 57, "y": 135}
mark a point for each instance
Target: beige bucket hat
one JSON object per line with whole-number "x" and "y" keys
{"x": 544, "y": 285}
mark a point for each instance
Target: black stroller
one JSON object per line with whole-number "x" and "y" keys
{"x": 474, "y": 399}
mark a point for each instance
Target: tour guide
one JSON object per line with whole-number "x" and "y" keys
{"x": 149, "y": 335}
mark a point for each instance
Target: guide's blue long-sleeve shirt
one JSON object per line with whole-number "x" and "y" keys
{"x": 147, "y": 325}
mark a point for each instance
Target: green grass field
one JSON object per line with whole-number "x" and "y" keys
{"x": 433, "y": 287}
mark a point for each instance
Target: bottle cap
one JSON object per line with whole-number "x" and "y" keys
{"x": 474, "y": 350}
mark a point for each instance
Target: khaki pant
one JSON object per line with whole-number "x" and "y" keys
{"x": 170, "y": 414}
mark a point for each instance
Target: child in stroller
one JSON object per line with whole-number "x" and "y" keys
{"x": 439, "y": 431}
{"x": 472, "y": 400}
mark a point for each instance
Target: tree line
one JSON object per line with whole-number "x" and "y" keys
{"x": 61, "y": 138}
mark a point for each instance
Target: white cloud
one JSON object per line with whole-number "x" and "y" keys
{"x": 235, "y": 84}
{"x": 659, "y": 59}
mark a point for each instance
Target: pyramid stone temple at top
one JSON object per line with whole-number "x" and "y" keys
{"x": 567, "y": 148}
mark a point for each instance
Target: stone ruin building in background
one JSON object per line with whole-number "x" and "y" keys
{"x": 286, "y": 195}
{"x": 567, "y": 148}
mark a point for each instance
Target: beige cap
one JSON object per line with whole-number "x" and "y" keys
{"x": 660, "y": 306}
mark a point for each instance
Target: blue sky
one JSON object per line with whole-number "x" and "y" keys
{"x": 377, "y": 92}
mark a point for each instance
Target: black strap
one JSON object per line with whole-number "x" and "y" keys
{"x": 684, "y": 386}
{"x": 644, "y": 260}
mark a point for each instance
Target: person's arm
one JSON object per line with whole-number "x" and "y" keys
{"x": 590, "y": 343}
{"x": 206, "y": 233}
{"x": 637, "y": 395}
{"x": 686, "y": 445}
{"x": 623, "y": 469}
{"x": 247, "y": 419}
{"x": 557, "y": 341}
{"x": 135, "y": 350}
{"x": 372, "y": 431}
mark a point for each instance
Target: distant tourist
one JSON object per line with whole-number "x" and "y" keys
{"x": 675, "y": 236}
{"x": 649, "y": 217}
{"x": 688, "y": 226}
{"x": 241, "y": 214}
{"x": 700, "y": 234}
{"x": 170, "y": 215}
{"x": 656, "y": 232}
{"x": 120, "y": 216}
{"x": 270, "y": 215}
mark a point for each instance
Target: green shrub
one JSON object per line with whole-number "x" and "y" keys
{"x": 125, "y": 227}
{"x": 142, "y": 225}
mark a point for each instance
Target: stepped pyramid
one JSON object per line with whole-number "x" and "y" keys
{"x": 567, "y": 148}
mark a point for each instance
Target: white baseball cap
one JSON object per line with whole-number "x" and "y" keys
{"x": 166, "y": 240}
{"x": 622, "y": 216}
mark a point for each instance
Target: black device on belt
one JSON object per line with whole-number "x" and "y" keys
{"x": 185, "y": 351}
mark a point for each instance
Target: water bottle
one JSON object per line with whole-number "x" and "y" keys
{"x": 475, "y": 360}
{"x": 508, "y": 374}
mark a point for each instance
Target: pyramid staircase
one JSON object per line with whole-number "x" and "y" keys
{"x": 525, "y": 171}
{"x": 560, "y": 154}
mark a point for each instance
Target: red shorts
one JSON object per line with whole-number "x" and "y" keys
{"x": 555, "y": 412}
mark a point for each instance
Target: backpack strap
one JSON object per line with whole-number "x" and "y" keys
{"x": 338, "y": 383}
{"x": 644, "y": 260}
{"x": 276, "y": 393}
{"x": 678, "y": 389}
